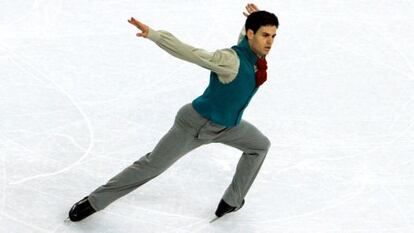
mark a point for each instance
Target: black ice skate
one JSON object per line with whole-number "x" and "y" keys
{"x": 81, "y": 210}
{"x": 224, "y": 208}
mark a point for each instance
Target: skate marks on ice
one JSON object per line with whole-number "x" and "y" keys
{"x": 24, "y": 65}
{"x": 387, "y": 174}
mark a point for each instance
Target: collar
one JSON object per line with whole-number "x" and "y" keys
{"x": 245, "y": 47}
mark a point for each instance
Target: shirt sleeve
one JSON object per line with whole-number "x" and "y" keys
{"x": 241, "y": 35}
{"x": 224, "y": 62}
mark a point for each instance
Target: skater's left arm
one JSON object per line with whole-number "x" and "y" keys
{"x": 250, "y": 8}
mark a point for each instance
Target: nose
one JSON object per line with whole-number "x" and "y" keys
{"x": 269, "y": 41}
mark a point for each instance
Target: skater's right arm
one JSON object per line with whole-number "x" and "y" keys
{"x": 224, "y": 62}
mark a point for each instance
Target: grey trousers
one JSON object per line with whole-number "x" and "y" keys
{"x": 190, "y": 130}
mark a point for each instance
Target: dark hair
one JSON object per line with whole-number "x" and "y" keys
{"x": 260, "y": 18}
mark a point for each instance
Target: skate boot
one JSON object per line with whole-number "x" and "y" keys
{"x": 81, "y": 210}
{"x": 224, "y": 208}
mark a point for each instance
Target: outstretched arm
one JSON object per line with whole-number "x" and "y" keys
{"x": 224, "y": 62}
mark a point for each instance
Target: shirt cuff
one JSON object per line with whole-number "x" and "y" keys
{"x": 153, "y": 35}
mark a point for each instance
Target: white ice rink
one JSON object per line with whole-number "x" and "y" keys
{"x": 81, "y": 98}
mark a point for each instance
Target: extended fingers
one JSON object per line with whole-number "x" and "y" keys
{"x": 144, "y": 28}
{"x": 133, "y": 21}
{"x": 254, "y": 7}
{"x": 250, "y": 8}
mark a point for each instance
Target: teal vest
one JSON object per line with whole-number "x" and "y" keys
{"x": 224, "y": 104}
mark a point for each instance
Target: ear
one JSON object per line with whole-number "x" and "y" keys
{"x": 249, "y": 34}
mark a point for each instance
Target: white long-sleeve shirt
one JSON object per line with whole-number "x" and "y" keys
{"x": 224, "y": 62}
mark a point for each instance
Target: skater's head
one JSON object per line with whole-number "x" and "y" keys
{"x": 261, "y": 27}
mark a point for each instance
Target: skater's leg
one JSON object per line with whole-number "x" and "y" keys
{"x": 176, "y": 143}
{"x": 255, "y": 146}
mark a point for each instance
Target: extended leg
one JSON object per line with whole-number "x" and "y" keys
{"x": 171, "y": 147}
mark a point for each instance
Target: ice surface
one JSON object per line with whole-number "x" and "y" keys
{"x": 81, "y": 97}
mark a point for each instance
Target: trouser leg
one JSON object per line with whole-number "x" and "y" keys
{"x": 254, "y": 146}
{"x": 176, "y": 143}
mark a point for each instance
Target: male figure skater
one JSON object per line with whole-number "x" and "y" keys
{"x": 213, "y": 117}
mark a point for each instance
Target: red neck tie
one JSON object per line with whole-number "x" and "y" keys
{"x": 261, "y": 74}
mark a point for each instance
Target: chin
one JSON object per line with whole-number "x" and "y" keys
{"x": 265, "y": 53}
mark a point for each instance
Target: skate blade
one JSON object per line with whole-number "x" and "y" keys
{"x": 214, "y": 219}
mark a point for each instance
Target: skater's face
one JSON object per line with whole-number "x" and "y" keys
{"x": 261, "y": 41}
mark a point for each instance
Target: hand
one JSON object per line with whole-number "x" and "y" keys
{"x": 250, "y": 9}
{"x": 144, "y": 28}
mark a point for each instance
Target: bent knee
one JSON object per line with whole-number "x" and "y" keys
{"x": 263, "y": 146}
{"x": 267, "y": 143}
